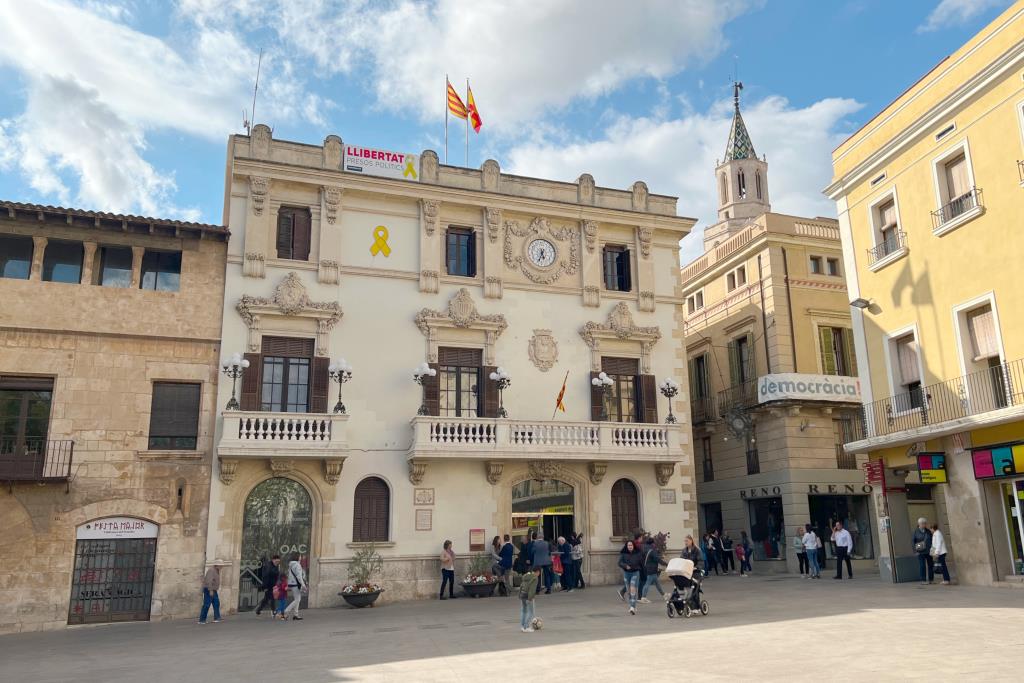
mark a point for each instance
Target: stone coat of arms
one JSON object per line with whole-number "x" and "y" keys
{"x": 543, "y": 350}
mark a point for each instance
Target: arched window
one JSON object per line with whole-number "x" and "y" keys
{"x": 757, "y": 183}
{"x": 741, "y": 184}
{"x": 625, "y": 508}
{"x": 723, "y": 185}
{"x": 372, "y": 506}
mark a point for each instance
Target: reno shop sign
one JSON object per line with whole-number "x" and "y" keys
{"x": 792, "y": 386}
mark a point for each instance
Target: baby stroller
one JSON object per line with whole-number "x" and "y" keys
{"x": 687, "y": 596}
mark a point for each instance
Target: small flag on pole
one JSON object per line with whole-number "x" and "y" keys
{"x": 559, "y": 405}
{"x": 474, "y": 113}
{"x": 455, "y": 105}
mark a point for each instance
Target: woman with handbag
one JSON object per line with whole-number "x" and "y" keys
{"x": 922, "y": 540}
{"x": 811, "y": 541}
{"x": 801, "y": 553}
{"x": 296, "y": 586}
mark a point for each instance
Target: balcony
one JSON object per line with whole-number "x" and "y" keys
{"x": 958, "y": 211}
{"x": 702, "y": 410}
{"x": 741, "y": 396}
{"x": 987, "y": 397}
{"x": 888, "y": 250}
{"x": 35, "y": 460}
{"x": 844, "y": 460}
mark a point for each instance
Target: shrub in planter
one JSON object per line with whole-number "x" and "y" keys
{"x": 479, "y": 581}
{"x": 360, "y": 591}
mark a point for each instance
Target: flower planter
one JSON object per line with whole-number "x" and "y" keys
{"x": 361, "y": 599}
{"x": 479, "y": 590}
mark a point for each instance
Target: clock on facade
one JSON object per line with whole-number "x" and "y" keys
{"x": 541, "y": 253}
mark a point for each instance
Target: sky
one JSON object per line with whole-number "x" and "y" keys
{"x": 126, "y": 105}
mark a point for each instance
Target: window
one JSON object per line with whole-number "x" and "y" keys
{"x": 459, "y": 375}
{"x": 741, "y": 360}
{"x": 174, "y": 416}
{"x": 695, "y": 302}
{"x": 816, "y": 265}
{"x": 62, "y": 262}
{"x": 832, "y": 267}
{"x": 767, "y": 528}
{"x": 989, "y": 381}
{"x": 24, "y": 427}
{"x": 842, "y": 431}
{"x": 161, "y": 271}
{"x": 853, "y": 512}
{"x": 709, "y": 466}
{"x": 460, "y": 252}
{"x": 741, "y": 184}
{"x": 982, "y": 329}
{"x": 287, "y": 365}
{"x": 757, "y": 182}
{"x": 372, "y": 504}
{"x": 115, "y": 267}
{"x": 723, "y": 189}
{"x": 712, "y": 517}
{"x": 16, "y": 256}
{"x": 741, "y": 276}
{"x": 837, "y": 354}
{"x": 294, "y": 227}
{"x": 616, "y": 269}
{"x": 908, "y": 373}
{"x": 699, "y": 387}
{"x": 621, "y": 399}
{"x": 625, "y": 508}
{"x": 888, "y": 227}
{"x": 736, "y": 278}
{"x": 958, "y": 183}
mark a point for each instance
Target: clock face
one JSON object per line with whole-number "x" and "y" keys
{"x": 541, "y": 253}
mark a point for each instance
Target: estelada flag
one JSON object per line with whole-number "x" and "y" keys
{"x": 558, "y": 401}
{"x": 455, "y": 105}
{"x": 474, "y": 113}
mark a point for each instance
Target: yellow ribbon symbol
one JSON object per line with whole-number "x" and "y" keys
{"x": 409, "y": 170}
{"x": 380, "y": 241}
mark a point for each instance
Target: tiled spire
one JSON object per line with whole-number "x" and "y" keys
{"x": 739, "y": 145}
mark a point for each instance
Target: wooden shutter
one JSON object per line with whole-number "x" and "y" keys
{"x": 252, "y": 382}
{"x": 596, "y": 397}
{"x": 432, "y": 392}
{"x": 620, "y": 366}
{"x": 625, "y": 510}
{"x": 828, "y": 351}
{"x": 466, "y": 358}
{"x": 750, "y": 363}
{"x": 851, "y": 352}
{"x": 319, "y": 384}
{"x": 647, "y": 406}
{"x": 287, "y": 347}
{"x": 175, "y": 410}
{"x": 609, "y": 268}
{"x": 371, "y": 505}
{"x": 734, "y": 363}
{"x": 301, "y": 235}
{"x": 471, "y": 254}
{"x": 625, "y": 276}
{"x": 489, "y": 392}
{"x": 284, "y": 233}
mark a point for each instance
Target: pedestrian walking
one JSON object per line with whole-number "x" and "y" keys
{"x": 541, "y": 557}
{"x": 744, "y": 551}
{"x": 691, "y": 552}
{"x": 630, "y": 562}
{"x": 506, "y": 554}
{"x": 801, "y": 552}
{"x": 447, "y": 570}
{"x": 296, "y": 576}
{"x": 653, "y": 563}
{"x": 522, "y": 563}
{"x": 922, "y": 543}
{"x": 281, "y": 595}
{"x": 577, "y": 560}
{"x": 211, "y": 593}
{"x": 269, "y": 574}
{"x": 810, "y": 541}
{"x": 527, "y": 595}
{"x": 567, "y": 579}
{"x": 844, "y": 549}
{"x": 938, "y": 553}
{"x": 710, "y": 555}
{"x": 727, "y": 553}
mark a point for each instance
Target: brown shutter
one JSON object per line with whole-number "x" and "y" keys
{"x": 252, "y": 381}
{"x": 648, "y": 389}
{"x": 302, "y": 235}
{"x": 625, "y": 510}
{"x": 620, "y": 366}
{"x": 320, "y": 385}
{"x": 370, "y": 511}
{"x": 625, "y": 276}
{"x": 284, "y": 233}
{"x": 287, "y": 347}
{"x": 432, "y": 392}
{"x": 489, "y": 392}
{"x": 467, "y": 358}
{"x": 174, "y": 411}
{"x": 596, "y": 397}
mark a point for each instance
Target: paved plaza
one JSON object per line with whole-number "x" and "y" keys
{"x": 762, "y": 628}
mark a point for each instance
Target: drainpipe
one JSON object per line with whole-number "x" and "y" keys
{"x": 764, "y": 315}
{"x": 789, "y": 303}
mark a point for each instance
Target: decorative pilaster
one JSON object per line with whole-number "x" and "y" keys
{"x": 646, "y": 301}
{"x": 254, "y": 265}
{"x": 258, "y": 186}
{"x": 228, "y": 468}
{"x": 592, "y": 296}
{"x": 37, "y": 258}
{"x": 417, "y": 468}
{"x": 430, "y": 281}
{"x": 332, "y": 202}
{"x": 493, "y": 287}
{"x": 328, "y": 272}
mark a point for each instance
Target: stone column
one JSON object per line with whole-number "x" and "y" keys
{"x": 36, "y": 273}
{"x": 137, "y": 253}
{"x": 88, "y": 262}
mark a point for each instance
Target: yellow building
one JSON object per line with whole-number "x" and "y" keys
{"x": 929, "y": 202}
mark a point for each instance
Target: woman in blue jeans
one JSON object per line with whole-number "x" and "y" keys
{"x": 811, "y": 541}
{"x": 630, "y": 561}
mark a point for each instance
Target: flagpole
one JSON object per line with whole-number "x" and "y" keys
{"x": 467, "y": 124}
{"x": 446, "y": 118}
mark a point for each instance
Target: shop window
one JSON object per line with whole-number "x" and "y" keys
{"x": 767, "y": 528}
{"x": 855, "y": 514}
{"x": 16, "y": 256}
{"x": 62, "y": 262}
{"x": 174, "y": 416}
{"x": 372, "y": 504}
{"x": 115, "y": 267}
{"x": 161, "y": 271}
{"x": 617, "y": 269}
{"x": 294, "y": 233}
{"x": 460, "y": 252}
{"x": 625, "y": 508}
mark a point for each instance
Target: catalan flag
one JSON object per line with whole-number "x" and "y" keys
{"x": 474, "y": 113}
{"x": 559, "y": 405}
{"x": 455, "y": 105}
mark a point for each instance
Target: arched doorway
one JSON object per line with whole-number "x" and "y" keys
{"x": 278, "y": 521}
{"x": 546, "y": 506}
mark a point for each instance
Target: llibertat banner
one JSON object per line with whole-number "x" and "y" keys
{"x": 791, "y": 386}
{"x": 381, "y": 162}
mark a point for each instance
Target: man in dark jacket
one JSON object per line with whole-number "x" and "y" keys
{"x": 922, "y": 544}
{"x": 269, "y": 574}
{"x": 652, "y": 568}
{"x": 541, "y": 557}
{"x": 506, "y": 553}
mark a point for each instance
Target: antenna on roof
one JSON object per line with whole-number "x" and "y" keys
{"x": 246, "y": 122}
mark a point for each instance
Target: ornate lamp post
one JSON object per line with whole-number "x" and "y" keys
{"x": 669, "y": 388}
{"x": 340, "y": 372}
{"x": 602, "y": 382}
{"x": 503, "y": 380}
{"x": 421, "y": 372}
{"x": 234, "y": 368}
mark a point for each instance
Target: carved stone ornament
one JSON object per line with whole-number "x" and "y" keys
{"x": 591, "y": 296}
{"x": 586, "y": 184}
{"x": 541, "y": 228}
{"x": 494, "y": 471}
{"x": 428, "y": 166}
{"x": 328, "y": 272}
{"x": 639, "y": 196}
{"x": 289, "y": 299}
{"x": 332, "y": 152}
{"x": 258, "y": 186}
{"x": 645, "y": 235}
{"x": 590, "y": 233}
{"x": 228, "y": 469}
{"x": 254, "y": 265}
{"x": 620, "y": 326}
{"x": 493, "y": 287}
{"x": 490, "y": 172}
{"x": 663, "y": 472}
{"x": 332, "y": 200}
{"x": 543, "y": 350}
{"x": 646, "y": 301}
{"x": 596, "y": 471}
{"x": 430, "y": 281}
{"x": 281, "y": 466}
{"x": 543, "y": 469}
{"x": 430, "y": 209}
{"x": 492, "y": 219}
{"x": 332, "y": 470}
{"x": 417, "y": 469}
{"x": 259, "y": 147}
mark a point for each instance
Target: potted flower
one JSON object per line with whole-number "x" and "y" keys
{"x": 479, "y": 582}
{"x": 360, "y": 591}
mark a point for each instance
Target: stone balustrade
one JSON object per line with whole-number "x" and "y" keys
{"x": 281, "y": 435}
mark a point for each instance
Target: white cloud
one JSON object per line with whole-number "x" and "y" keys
{"x": 950, "y": 13}
{"x": 677, "y": 156}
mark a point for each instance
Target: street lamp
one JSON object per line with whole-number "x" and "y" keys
{"x": 602, "y": 382}
{"x": 669, "y": 388}
{"x": 503, "y": 380}
{"x": 421, "y": 372}
{"x": 234, "y": 368}
{"x": 341, "y": 372}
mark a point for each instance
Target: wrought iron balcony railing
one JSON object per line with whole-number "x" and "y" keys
{"x": 740, "y": 396}
{"x": 35, "y": 459}
{"x": 844, "y": 460}
{"x": 890, "y": 245}
{"x": 957, "y": 207}
{"x": 994, "y": 388}
{"x": 702, "y": 410}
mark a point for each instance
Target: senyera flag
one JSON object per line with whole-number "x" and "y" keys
{"x": 561, "y": 394}
{"x": 474, "y": 113}
{"x": 455, "y": 105}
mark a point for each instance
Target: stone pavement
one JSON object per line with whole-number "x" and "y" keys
{"x": 765, "y": 628}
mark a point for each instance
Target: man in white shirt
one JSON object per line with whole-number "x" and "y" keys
{"x": 844, "y": 548}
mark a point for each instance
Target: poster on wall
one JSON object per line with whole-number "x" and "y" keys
{"x": 477, "y": 540}
{"x": 804, "y": 387}
{"x": 117, "y": 527}
{"x": 381, "y": 162}
{"x": 932, "y": 468}
{"x": 424, "y": 520}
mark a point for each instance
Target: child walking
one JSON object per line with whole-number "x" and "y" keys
{"x": 527, "y": 593}
{"x": 281, "y": 593}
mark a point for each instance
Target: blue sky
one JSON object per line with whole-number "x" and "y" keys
{"x": 126, "y": 105}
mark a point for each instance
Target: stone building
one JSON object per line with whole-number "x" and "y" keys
{"x": 773, "y": 375}
{"x": 109, "y": 347}
{"x": 392, "y": 261}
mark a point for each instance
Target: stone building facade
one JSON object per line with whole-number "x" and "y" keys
{"x": 394, "y": 261}
{"x": 109, "y": 347}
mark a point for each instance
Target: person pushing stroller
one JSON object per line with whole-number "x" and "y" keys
{"x": 687, "y": 596}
